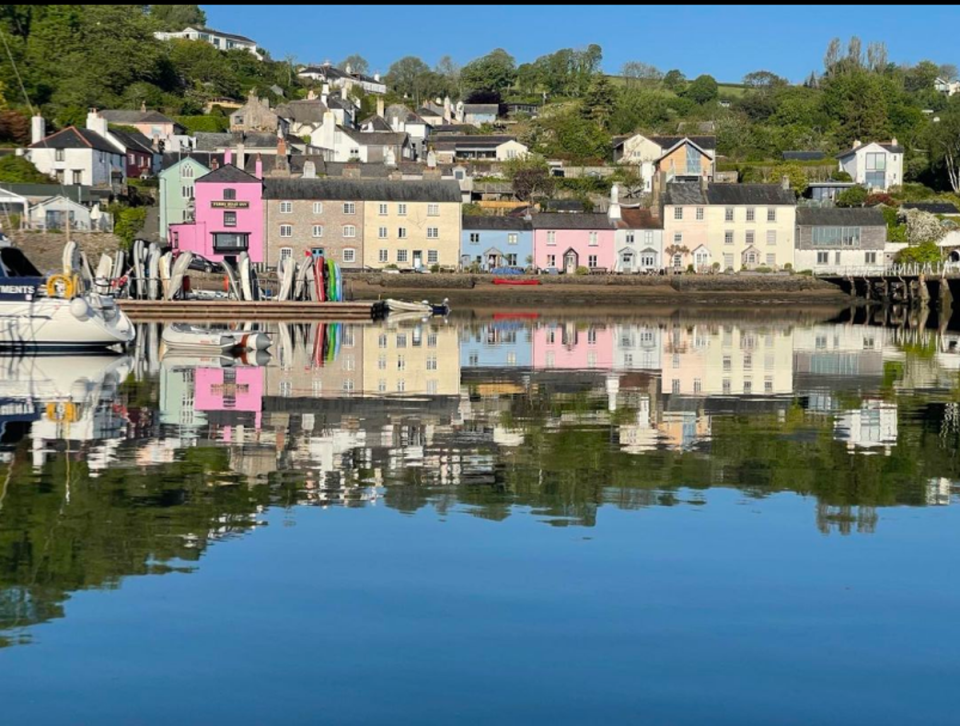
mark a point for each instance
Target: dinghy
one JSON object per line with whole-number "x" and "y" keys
{"x": 181, "y": 336}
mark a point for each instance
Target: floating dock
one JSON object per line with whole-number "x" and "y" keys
{"x": 265, "y": 310}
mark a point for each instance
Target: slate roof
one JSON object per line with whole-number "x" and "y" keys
{"x": 74, "y": 138}
{"x": 306, "y": 111}
{"x": 376, "y": 138}
{"x": 704, "y": 142}
{"x": 563, "y": 205}
{"x": 885, "y": 144}
{"x": 136, "y": 117}
{"x": 592, "y": 220}
{"x": 400, "y": 111}
{"x": 228, "y": 174}
{"x": 133, "y": 141}
{"x": 334, "y": 72}
{"x": 803, "y": 155}
{"x": 455, "y": 129}
{"x": 839, "y": 217}
{"x": 517, "y": 224}
{"x": 363, "y": 190}
{"x": 210, "y": 141}
{"x": 932, "y": 207}
{"x": 450, "y": 141}
{"x": 638, "y": 218}
{"x": 765, "y": 194}
{"x": 481, "y": 108}
{"x": 232, "y": 36}
{"x": 206, "y": 158}
{"x": 367, "y": 171}
{"x": 684, "y": 193}
{"x": 379, "y": 123}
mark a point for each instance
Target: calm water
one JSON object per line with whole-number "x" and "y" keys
{"x": 512, "y": 519}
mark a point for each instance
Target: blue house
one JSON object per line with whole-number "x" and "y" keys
{"x": 492, "y": 242}
{"x": 499, "y": 344}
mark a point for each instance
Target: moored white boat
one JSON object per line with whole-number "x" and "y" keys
{"x": 181, "y": 336}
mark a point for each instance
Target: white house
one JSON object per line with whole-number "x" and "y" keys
{"x": 54, "y": 212}
{"x": 401, "y": 118}
{"x": 948, "y": 87}
{"x": 876, "y": 165}
{"x": 76, "y": 156}
{"x": 346, "y": 78}
{"x": 638, "y": 238}
{"x": 345, "y": 144}
{"x": 499, "y": 148}
{"x": 216, "y": 38}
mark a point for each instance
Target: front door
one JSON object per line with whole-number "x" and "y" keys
{"x": 626, "y": 262}
{"x": 570, "y": 262}
{"x": 417, "y": 259}
{"x": 492, "y": 262}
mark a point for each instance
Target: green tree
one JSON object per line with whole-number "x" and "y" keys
{"x": 702, "y": 90}
{"x": 943, "y": 141}
{"x": 923, "y": 253}
{"x": 598, "y": 103}
{"x": 357, "y": 63}
{"x": 852, "y": 197}
{"x": 639, "y": 72}
{"x": 763, "y": 80}
{"x": 177, "y": 17}
{"x": 411, "y": 77}
{"x": 855, "y": 104}
{"x": 19, "y": 170}
{"x": 127, "y": 222}
{"x": 796, "y": 175}
{"x": 492, "y": 73}
{"x": 921, "y": 76}
{"x": 530, "y": 177}
{"x": 674, "y": 80}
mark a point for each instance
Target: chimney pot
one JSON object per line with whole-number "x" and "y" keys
{"x": 785, "y": 182}
{"x": 227, "y": 157}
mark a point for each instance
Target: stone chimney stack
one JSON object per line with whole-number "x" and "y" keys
{"x": 893, "y": 141}
{"x": 96, "y": 122}
{"x": 703, "y": 184}
{"x": 785, "y": 182}
{"x": 343, "y": 92}
{"x": 143, "y": 107}
{"x": 857, "y": 144}
{"x": 376, "y": 76}
{"x": 324, "y": 92}
{"x": 351, "y": 171}
{"x": 38, "y": 129}
{"x": 241, "y": 157}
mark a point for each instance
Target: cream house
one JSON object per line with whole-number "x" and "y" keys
{"x": 728, "y": 226}
{"x": 680, "y": 157}
{"x": 411, "y": 224}
{"x": 422, "y": 359}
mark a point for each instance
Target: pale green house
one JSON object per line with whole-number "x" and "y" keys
{"x": 176, "y": 189}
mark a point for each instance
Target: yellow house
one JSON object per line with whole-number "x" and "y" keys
{"x": 728, "y": 226}
{"x": 421, "y": 359}
{"x": 412, "y": 224}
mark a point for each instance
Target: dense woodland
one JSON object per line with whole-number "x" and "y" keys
{"x": 64, "y": 59}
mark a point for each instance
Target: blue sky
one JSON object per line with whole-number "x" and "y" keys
{"x": 726, "y": 42}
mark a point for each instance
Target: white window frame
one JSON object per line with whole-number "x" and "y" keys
{"x": 433, "y": 257}
{"x": 402, "y": 210}
{"x": 678, "y": 212}
{"x": 318, "y": 207}
{"x": 401, "y": 256}
{"x": 699, "y": 214}
{"x": 286, "y": 207}
{"x": 594, "y": 239}
{"x": 384, "y": 256}
{"x": 349, "y": 254}
{"x": 382, "y": 233}
{"x": 433, "y": 233}
{"x": 349, "y": 208}
{"x": 318, "y": 231}
{"x": 512, "y": 238}
{"x": 349, "y": 231}
{"x": 433, "y": 210}
{"x": 382, "y": 209}
{"x": 401, "y": 233}
{"x": 286, "y": 230}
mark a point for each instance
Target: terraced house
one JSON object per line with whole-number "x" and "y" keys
{"x": 411, "y": 224}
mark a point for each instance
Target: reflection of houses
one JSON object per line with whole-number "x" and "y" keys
{"x": 316, "y": 361}
{"x": 837, "y": 356}
{"x": 572, "y": 345}
{"x": 417, "y": 359}
{"x": 873, "y": 425}
{"x": 501, "y": 344}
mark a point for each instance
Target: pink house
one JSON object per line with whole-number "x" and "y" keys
{"x": 570, "y": 346}
{"x": 569, "y": 241}
{"x": 228, "y": 216}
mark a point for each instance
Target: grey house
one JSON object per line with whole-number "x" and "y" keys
{"x": 831, "y": 239}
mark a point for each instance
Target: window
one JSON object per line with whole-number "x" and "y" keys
{"x": 230, "y": 242}
{"x": 187, "y": 191}
{"x": 823, "y": 258}
{"x": 699, "y": 213}
{"x": 59, "y": 155}
{"x": 771, "y": 214}
{"x": 77, "y": 177}
{"x": 726, "y": 386}
{"x": 432, "y": 363}
{"x": 186, "y": 171}
{"x": 382, "y": 340}
{"x": 132, "y": 158}
{"x": 512, "y": 238}
{"x": 381, "y": 386}
{"x": 474, "y": 238}
{"x": 750, "y": 236}
{"x": 648, "y": 237}
{"x": 382, "y": 362}
{"x": 728, "y": 237}
{"x": 771, "y": 236}
{"x": 727, "y": 364}
{"x": 870, "y": 258}
{"x": 318, "y": 230}
{"x": 286, "y": 230}
{"x": 630, "y": 238}
{"x": 433, "y": 232}
{"x": 382, "y": 210}
{"x": 349, "y": 255}
{"x": 512, "y": 260}
{"x": 229, "y": 219}
{"x": 751, "y": 214}
{"x": 675, "y": 385}
{"x": 401, "y": 255}
{"x": 382, "y": 233}
{"x": 678, "y": 212}
{"x": 593, "y": 239}
{"x": 433, "y": 210}
{"x": 771, "y": 260}
{"x": 458, "y": 174}
{"x": 592, "y": 261}
{"x": 551, "y": 260}
{"x": 232, "y": 194}
{"x": 402, "y": 233}
{"x": 349, "y": 208}
{"x": 678, "y": 238}
{"x": 383, "y": 256}
{"x": 877, "y": 161}
{"x": 432, "y": 340}
{"x": 433, "y": 257}
{"x": 836, "y": 236}
{"x": 402, "y": 210}
{"x": 355, "y": 153}
{"x": 728, "y": 214}
{"x": 349, "y": 230}
{"x": 693, "y": 160}
{"x": 551, "y": 238}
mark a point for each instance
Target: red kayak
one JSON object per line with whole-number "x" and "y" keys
{"x": 508, "y": 281}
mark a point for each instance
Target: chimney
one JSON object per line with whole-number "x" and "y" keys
{"x": 311, "y": 95}
{"x": 376, "y": 77}
{"x": 893, "y": 141}
{"x": 857, "y": 144}
{"x": 703, "y": 184}
{"x": 324, "y": 93}
{"x": 309, "y": 170}
{"x": 96, "y": 122}
{"x": 227, "y": 157}
{"x": 343, "y": 92}
{"x": 258, "y": 168}
{"x": 143, "y": 107}
{"x": 281, "y": 146}
{"x": 613, "y": 212}
{"x": 241, "y": 157}
{"x": 431, "y": 173}
{"x": 380, "y": 106}
{"x": 38, "y": 129}
{"x": 785, "y": 182}
{"x": 351, "y": 171}
{"x": 395, "y": 175}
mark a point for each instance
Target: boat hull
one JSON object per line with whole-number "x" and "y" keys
{"x": 56, "y": 324}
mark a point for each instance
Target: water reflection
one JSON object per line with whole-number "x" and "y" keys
{"x": 120, "y": 465}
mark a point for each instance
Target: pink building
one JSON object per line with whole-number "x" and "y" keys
{"x": 228, "y": 216}
{"x": 569, "y": 241}
{"x": 570, "y": 346}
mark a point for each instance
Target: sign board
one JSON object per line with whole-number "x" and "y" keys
{"x": 229, "y": 204}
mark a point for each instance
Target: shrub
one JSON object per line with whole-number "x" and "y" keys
{"x": 434, "y": 268}
{"x": 715, "y": 267}
{"x": 921, "y": 253}
{"x": 690, "y": 268}
{"x": 582, "y": 270}
{"x": 208, "y": 124}
{"x": 20, "y": 170}
{"x": 127, "y": 223}
{"x": 840, "y": 176}
{"x": 806, "y": 273}
{"x": 876, "y": 198}
{"x": 391, "y": 266}
{"x": 788, "y": 267}
{"x": 763, "y": 269}
{"x": 852, "y": 197}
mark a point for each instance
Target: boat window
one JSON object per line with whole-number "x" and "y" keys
{"x": 15, "y": 264}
